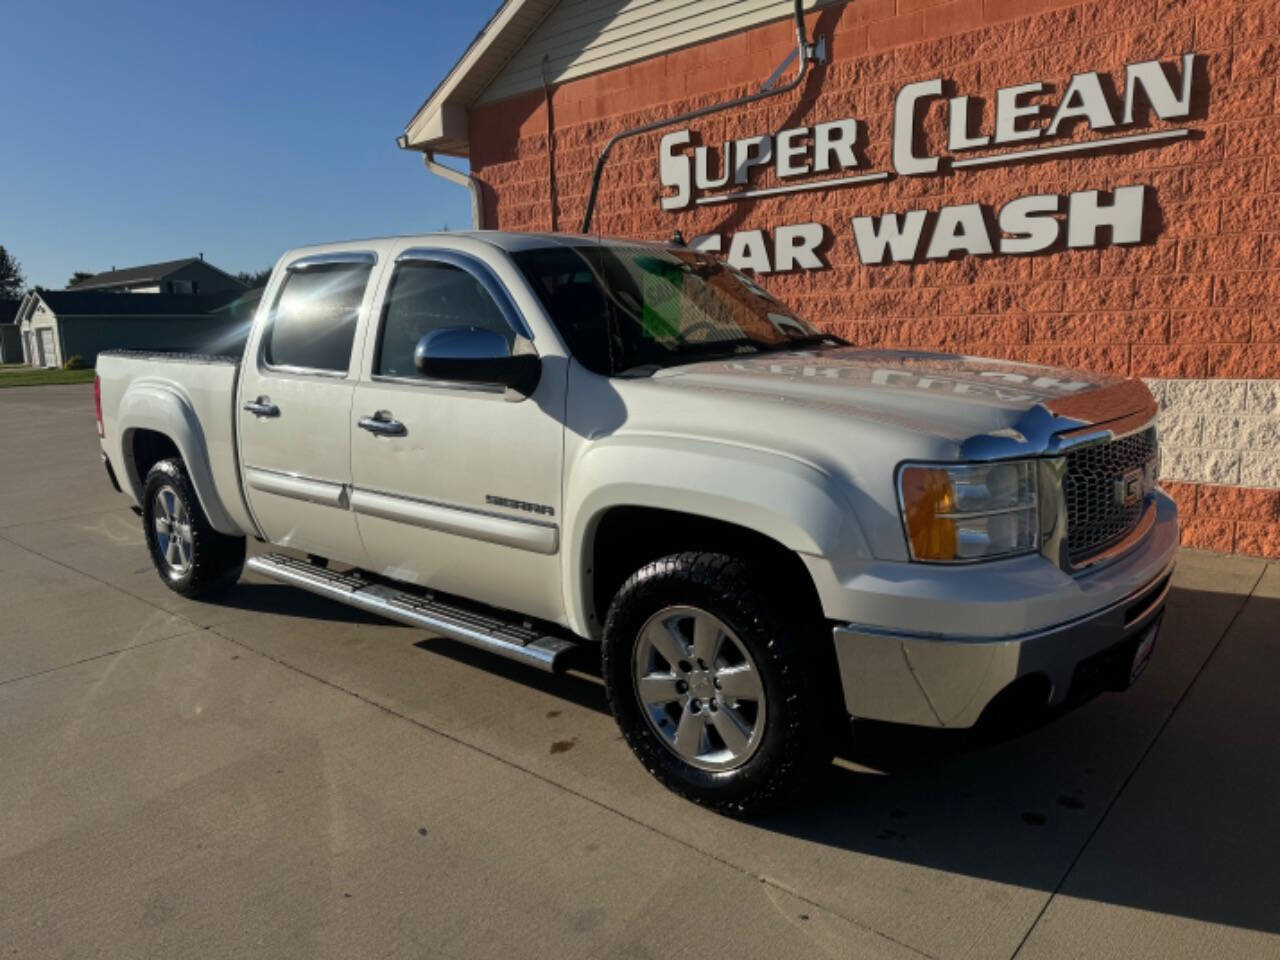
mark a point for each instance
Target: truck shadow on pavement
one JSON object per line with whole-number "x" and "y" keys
{"x": 283, "y": 600}
{"x": 581, "y": 684}
{"x": 1162, "y": 799}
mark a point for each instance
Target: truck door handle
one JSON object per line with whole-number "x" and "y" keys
{"x": 382, "y": 424}
{"x": 262, "y": 407}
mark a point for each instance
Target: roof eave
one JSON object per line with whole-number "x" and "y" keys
{"x": 441, "y": 130}
{"x": 440, "y": 124}
{"x": 114, "y": 285}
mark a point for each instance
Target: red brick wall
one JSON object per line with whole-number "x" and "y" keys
{"x": 1228, "y": 519}
{"x": 1200, "y": 301}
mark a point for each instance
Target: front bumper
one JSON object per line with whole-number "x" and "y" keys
{"x": 943, "y": 680}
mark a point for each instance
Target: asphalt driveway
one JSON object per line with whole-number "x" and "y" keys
{"x": 276, "y": 775}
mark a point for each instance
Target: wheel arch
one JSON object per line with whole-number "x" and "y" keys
{"x": 628, "y": 499}
{"x": 625, "y": 538}
{"x": 157, "y": 422}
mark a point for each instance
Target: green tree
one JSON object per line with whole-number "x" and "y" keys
{"x": 12, "y": 283}
{"x": 77, "y": 277}
{"x": 252, "y": 280}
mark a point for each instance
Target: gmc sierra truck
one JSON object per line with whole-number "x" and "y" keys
{"x": 535, "y": 443}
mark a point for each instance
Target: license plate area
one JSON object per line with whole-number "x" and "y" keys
{"x": 1142, "y": 654}
{"x": 1117, "y": 667}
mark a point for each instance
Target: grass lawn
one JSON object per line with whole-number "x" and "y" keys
{"x": 19, "y": 375}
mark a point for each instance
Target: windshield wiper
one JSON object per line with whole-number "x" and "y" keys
{"x": 691, "y": 353}
{"x": 639, "y": 370}
{"x": 812, "y": 340}
{"x": 721, "y": 349}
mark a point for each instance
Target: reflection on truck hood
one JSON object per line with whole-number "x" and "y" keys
{"x": 956, "y": 398}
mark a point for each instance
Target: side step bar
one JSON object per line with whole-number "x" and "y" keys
{"x": 515, "y": 641}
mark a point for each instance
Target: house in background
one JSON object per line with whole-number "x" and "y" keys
{"x": 56, "y": 325}
{"x": 191, "y": 275}
{"x": 187, "y": 305}
{"x": 10, "y": 338}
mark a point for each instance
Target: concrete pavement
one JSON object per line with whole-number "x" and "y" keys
{"x": 276, "y": 775}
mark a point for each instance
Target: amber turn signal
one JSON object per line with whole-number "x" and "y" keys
{"x": 926, "y": 493}
{"x": 959, "y": 513}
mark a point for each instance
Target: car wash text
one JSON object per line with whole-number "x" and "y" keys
{"x": 828, "y": 156}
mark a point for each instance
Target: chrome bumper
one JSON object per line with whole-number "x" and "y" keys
{"x": 938, "y": 681}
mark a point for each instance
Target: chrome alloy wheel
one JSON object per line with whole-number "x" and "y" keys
{"x": 698, "y": 688}
{"x": 173, "y": 530}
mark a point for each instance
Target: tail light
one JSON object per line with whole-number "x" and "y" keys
{"x": 97, "y": 404}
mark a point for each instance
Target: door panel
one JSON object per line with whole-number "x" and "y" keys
{"x": 467, "y": 498}
{"x": 294, "y": 407}
{"x": 429, "y": 504}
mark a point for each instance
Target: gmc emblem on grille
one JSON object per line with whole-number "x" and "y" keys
{"x": 1132, "y": 485}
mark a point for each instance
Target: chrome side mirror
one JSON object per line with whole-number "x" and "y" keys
{"x": 476, "y": 355}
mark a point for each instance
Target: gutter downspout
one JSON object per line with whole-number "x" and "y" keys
{"x": 552, "y": 192}
{"x": 453, "y": 176}
{"x": 807, "y": 53}
{"x": 462, "y": 179}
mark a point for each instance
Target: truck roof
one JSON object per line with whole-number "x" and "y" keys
{"x": 508, "y": 241}
{"x": 512, "y": 242}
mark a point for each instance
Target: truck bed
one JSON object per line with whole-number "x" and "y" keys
{"x": 176, "y": 355}
{"x": 185, "y": 396}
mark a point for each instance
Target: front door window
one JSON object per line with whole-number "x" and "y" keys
{"x": 428, "y": 296}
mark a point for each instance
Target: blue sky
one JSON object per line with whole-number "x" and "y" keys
{"x": 136, "y": 132}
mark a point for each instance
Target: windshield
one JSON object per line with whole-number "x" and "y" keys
{"x": 626, "y": 309}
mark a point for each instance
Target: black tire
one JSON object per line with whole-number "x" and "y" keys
{"x": 788, "y": 653}
{"x": 215, "y": 560}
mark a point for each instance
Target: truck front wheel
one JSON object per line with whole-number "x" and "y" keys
{"x": 192, "y": 558}
{"x": 713, "y": 684}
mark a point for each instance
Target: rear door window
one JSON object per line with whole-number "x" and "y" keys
{"x": 313, "y": 323}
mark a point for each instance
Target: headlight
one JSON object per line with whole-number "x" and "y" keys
{"x": 958, "y": 512}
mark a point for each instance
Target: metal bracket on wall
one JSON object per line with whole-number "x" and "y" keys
{"x": 805, "y": 51}
{"x": 814, "y": 53}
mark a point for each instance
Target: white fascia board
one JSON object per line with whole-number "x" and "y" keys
{"x": 473, "y": 72}
{"x": 439, "y": 127}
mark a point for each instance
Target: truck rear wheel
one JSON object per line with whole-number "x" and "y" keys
{"x": 711, "y": 685}
{"x": 192, "y": 558}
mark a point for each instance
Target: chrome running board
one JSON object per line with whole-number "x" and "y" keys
{"x": 487, "y": 631}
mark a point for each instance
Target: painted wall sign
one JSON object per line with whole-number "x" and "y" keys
{"x": 1023, "y": 225}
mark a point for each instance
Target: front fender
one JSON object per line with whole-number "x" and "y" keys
{"x": 163, "y": 406}
{"x": 786, "y": 499}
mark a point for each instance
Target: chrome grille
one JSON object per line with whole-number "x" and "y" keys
{"x": 1095, "y": 517}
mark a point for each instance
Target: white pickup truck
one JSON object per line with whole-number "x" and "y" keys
{"x": 534, "y": 443}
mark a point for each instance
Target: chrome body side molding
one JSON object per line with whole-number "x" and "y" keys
{"x": 518, "y": 532}
{"x": 296, "y": 486}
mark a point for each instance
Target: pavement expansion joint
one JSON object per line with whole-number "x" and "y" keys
{"x": 212, "y": 629}
{"x": 1137, "y": 765}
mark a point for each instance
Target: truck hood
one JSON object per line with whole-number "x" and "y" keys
{"x": 985, "y": 407}
{"x": 851, "y": 416}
